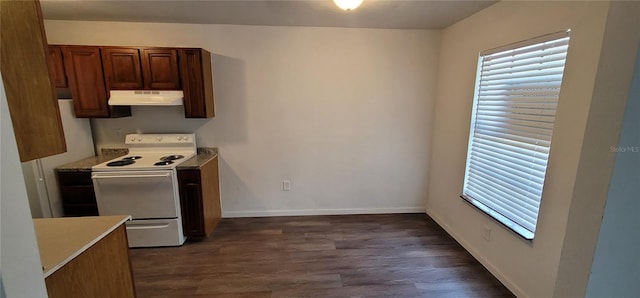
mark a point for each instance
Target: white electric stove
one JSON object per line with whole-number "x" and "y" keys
{"x": 144, "y": 184}
{"x": 152, "y": 152}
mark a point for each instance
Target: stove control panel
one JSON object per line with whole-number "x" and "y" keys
{"x": 159, "y": 139}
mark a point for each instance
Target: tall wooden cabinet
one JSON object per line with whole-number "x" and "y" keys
{"x": 34, "y": 110}
{"x": 83, "y": 67}
{"x": 200, "y": 199}
{"x": 197, "y": 83}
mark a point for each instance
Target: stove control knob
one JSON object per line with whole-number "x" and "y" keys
{"x": 186, "y": 138}
{"x": 139, "y": 139}
{"x": 179, "y": 138}
{"x": 132, "y": 139}
{"x": 159, "y": 139}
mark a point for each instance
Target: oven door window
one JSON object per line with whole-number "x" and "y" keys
{"x": 141, "y": 194}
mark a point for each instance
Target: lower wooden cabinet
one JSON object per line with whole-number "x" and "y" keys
{"x": 200, "y": 199}
{"x": 103, "y": 270}
{"x": 77, "y": 194}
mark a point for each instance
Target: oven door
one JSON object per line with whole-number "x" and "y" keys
{"x": 141, "y": 194}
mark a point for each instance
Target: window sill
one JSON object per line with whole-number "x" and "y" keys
{"x": 518, "y": 230}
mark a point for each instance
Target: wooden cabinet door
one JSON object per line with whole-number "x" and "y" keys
{"x": 197, "y": 83}
{"x": 35, "y": 114}
{"x": 160, "y": 69}
{"x": 191, "y": 203}
{"x": 56, "y": 67}
{"x": 86, "y": 82}
{"x": 122, "y": 69}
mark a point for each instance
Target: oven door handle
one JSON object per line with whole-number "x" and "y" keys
{"x": 130, "y": 176}
{"x": 144, "y": 226}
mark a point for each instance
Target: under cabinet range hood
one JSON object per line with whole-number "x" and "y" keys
{"x": 146, "y": 98}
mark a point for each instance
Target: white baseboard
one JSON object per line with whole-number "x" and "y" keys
{"x": 495, "y": 271}
{"x": 268, "y": 213}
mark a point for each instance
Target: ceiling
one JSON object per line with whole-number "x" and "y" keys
{"x": 392, "y": 14}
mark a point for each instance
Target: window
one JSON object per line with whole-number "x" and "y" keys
{"x": 514, "y": 108}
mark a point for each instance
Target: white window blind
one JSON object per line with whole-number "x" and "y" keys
{"x": 514, "y": 111}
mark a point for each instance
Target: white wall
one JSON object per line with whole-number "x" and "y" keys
{"x": 345, "y": 114}
{"x": 616, "y": 268}
{"x": 592, "y": 184}
{"x": 528, "y": 269}
{"x": 20, "y": 259}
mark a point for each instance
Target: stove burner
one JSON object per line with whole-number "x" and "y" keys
{"x": 120, "y": 163}
{"x": 132, "y": 157}
{"x": 163, "y": 163}
{"x": 171, "y": 157}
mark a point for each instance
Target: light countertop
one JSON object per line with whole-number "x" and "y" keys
{"x": 62, "y": 239}
{"x": 84, "y": 165}
{"x": 197, "y": 161}
{"x": 204, "y": 155}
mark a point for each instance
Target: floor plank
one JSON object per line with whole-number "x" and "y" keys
{"x": 399, "y": 255}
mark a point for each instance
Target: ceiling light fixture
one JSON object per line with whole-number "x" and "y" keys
{"x": 348, "y": 4}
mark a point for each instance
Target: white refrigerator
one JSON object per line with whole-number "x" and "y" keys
{"x": 39, "y": 174}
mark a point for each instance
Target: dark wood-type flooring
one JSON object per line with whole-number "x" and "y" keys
{"x": 390, "y": 255}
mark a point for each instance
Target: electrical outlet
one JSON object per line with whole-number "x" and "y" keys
{"x": 117, "y": 132}
{"x": 286, "y": 185}
{"x": 486, "y": 232}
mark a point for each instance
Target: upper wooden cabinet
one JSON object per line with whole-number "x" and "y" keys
{"x": 141, "y": 68}
{"x": 56, "y": 67}
{"x": 197, "y": 83}
{"x": 122, "y": 68}
{"x": 92, "y": 71}
{"x": 34, "y": 110}
{"x": 160, "y": 69}
{"x": 83, "y": 67}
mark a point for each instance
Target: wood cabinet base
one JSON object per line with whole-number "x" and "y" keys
{"x": 103, "y": 270}
{"x": 200, "y": 199}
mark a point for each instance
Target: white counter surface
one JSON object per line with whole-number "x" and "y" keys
{"x": 62, "y": 239}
